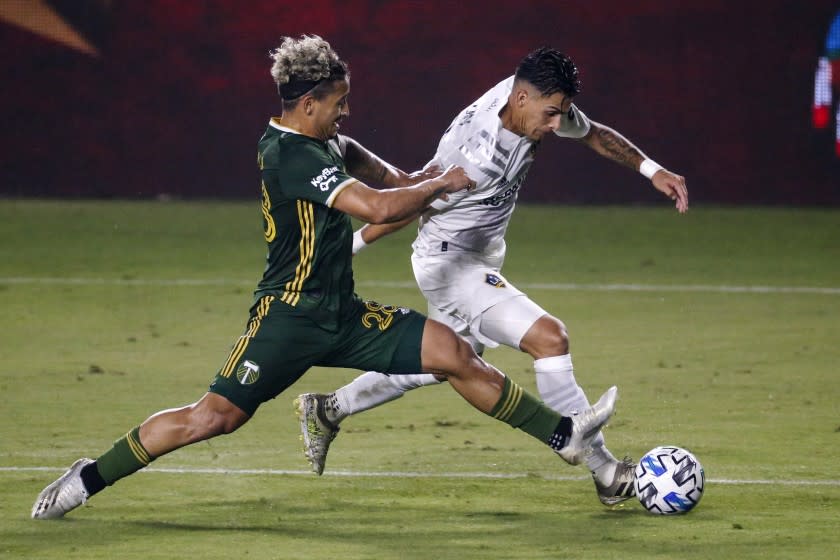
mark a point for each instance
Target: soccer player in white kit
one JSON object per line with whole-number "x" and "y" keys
{"x": 460, "y": 249}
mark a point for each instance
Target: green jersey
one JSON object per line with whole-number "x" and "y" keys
{"x": 308, "y": 266}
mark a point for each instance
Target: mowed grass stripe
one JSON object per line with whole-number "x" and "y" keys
{"x": 550, "y": 286}
{"x": 410, "y": 474}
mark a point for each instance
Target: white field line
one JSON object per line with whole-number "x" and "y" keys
{"x": 411, "y": 474}
{"x": 198, "y": 282}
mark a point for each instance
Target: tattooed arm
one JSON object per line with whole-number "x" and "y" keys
{"x": 370, "y": 168}
{"x": 612, "y": 145}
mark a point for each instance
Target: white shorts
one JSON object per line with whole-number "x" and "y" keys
{"x": 468, "y": 293}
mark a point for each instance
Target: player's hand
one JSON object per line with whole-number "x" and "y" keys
{"x": 673, "y": 186}
{"x": 456, "y": 179}
{"x": 429, "y": 172}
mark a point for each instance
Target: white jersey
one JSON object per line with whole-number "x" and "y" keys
{"x": 498, "y": 161}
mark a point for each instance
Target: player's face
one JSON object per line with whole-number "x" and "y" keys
{"x": 331, "y": 109}
{"x": 543, "y": 114}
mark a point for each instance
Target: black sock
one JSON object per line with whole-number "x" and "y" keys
{"x": 91, "y": 478}
{"x": 561, "y": 434}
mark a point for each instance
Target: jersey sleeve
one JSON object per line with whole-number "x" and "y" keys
{"x": 575, "y": 124}
{"x": 305, "y": 171}
{"x": 339, "y": 144}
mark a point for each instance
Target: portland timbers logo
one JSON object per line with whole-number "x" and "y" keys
{"x": 248, "y": 372}
{"x": 495, "y": 281}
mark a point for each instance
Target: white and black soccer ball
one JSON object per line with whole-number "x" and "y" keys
{"x": 669, "y": 480}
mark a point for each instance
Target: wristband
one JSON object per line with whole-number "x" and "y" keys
{"x": 649, "y": 168}
{"x": 358, "y": 242}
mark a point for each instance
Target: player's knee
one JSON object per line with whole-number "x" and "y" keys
{"x": 210, "y": 421}
{"x": 559, "y": 338}
{"x": 550, "y": 338}
{"x": 447, "y": 354}
{"x": 465, "y": 358}
{"x": 556, "y": 338}
{"x": 226, "y": 423}
{"x": 467, "y": 348}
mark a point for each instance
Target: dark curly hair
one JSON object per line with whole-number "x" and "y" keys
{"x": 549, "y": 71}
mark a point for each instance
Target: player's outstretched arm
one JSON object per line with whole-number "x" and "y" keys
{"x": 369, "y": 233}
{"x": 388, "y": 206}
{"x": 370, "y": 168}
{"x": 612, "y": 145}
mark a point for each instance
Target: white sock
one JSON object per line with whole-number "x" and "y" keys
{"x": 372, "y": 389}
{"x": 559, "y": 390}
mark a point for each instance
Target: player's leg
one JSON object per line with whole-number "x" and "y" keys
{"x": 520, "y": 323}
{"x": 372, "y": 389}
{"x": 160, "y": 434}
{"x": 399, "y": 341}
{"x": 248, "y": 378}
{"x": 442, "y": 280}
{"x": 501, "y": 313}
{"x": 320, "y": 415}
{"x": 493, "y": 393}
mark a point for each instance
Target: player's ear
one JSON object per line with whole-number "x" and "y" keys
{"x": 308, "y": 104}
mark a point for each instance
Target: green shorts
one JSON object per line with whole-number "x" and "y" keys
{"x": 280, "y": 343}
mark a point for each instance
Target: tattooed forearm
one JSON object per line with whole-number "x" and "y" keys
{"x": 616, "y": 147}
{"x": 367, "y": 167}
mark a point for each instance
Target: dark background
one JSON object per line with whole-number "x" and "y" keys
{"x": 179, "y": 93}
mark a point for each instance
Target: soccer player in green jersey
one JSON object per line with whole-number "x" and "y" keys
{"x": 305, "y": 310}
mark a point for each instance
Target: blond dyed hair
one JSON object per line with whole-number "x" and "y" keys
{"x": 301, "y": 64}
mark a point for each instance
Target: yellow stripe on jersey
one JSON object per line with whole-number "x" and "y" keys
{"x": 241, "y": 344}
{"x": 306, "y": 218}
{"x": 510, "y": 404}
{"x": 270, "y": 229}
{"x": 137, "y": 449}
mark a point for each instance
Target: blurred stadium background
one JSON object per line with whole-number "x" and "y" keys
{"x": 720, "y": 326}
{"x": 160, "y": 98}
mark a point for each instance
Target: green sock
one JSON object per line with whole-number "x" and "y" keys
{"x": 127, "y": 456}
{"x": 522, "y": 410}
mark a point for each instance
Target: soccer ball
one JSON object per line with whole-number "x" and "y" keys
{"x": 669, "y": 480}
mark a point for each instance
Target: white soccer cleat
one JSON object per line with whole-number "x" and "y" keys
{"x": 621, "y": 487}
{"x": 586, "y": 425}
{"x": 316, "y": 432}
{"x": 65, "y": 494}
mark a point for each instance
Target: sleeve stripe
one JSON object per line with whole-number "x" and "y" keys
{"x": 338, "y": 189}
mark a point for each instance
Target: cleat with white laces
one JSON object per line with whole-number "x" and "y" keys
{"x": 65, "y": 494}
{"x": 586, "y": 425}
{"x": 316, "y": 431}
{"x": 621, "y": 488}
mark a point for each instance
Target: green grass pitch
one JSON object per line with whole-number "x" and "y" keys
{"x": 721, "y": 329}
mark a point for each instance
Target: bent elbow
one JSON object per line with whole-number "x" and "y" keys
{"x": 384, "y": 208}
{"x": 377, "y": 216}
{"x": 383, "y": 213}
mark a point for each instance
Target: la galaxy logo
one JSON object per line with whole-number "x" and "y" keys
{"x": 248, "y": 372}
{"x": 495, "y": 281}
